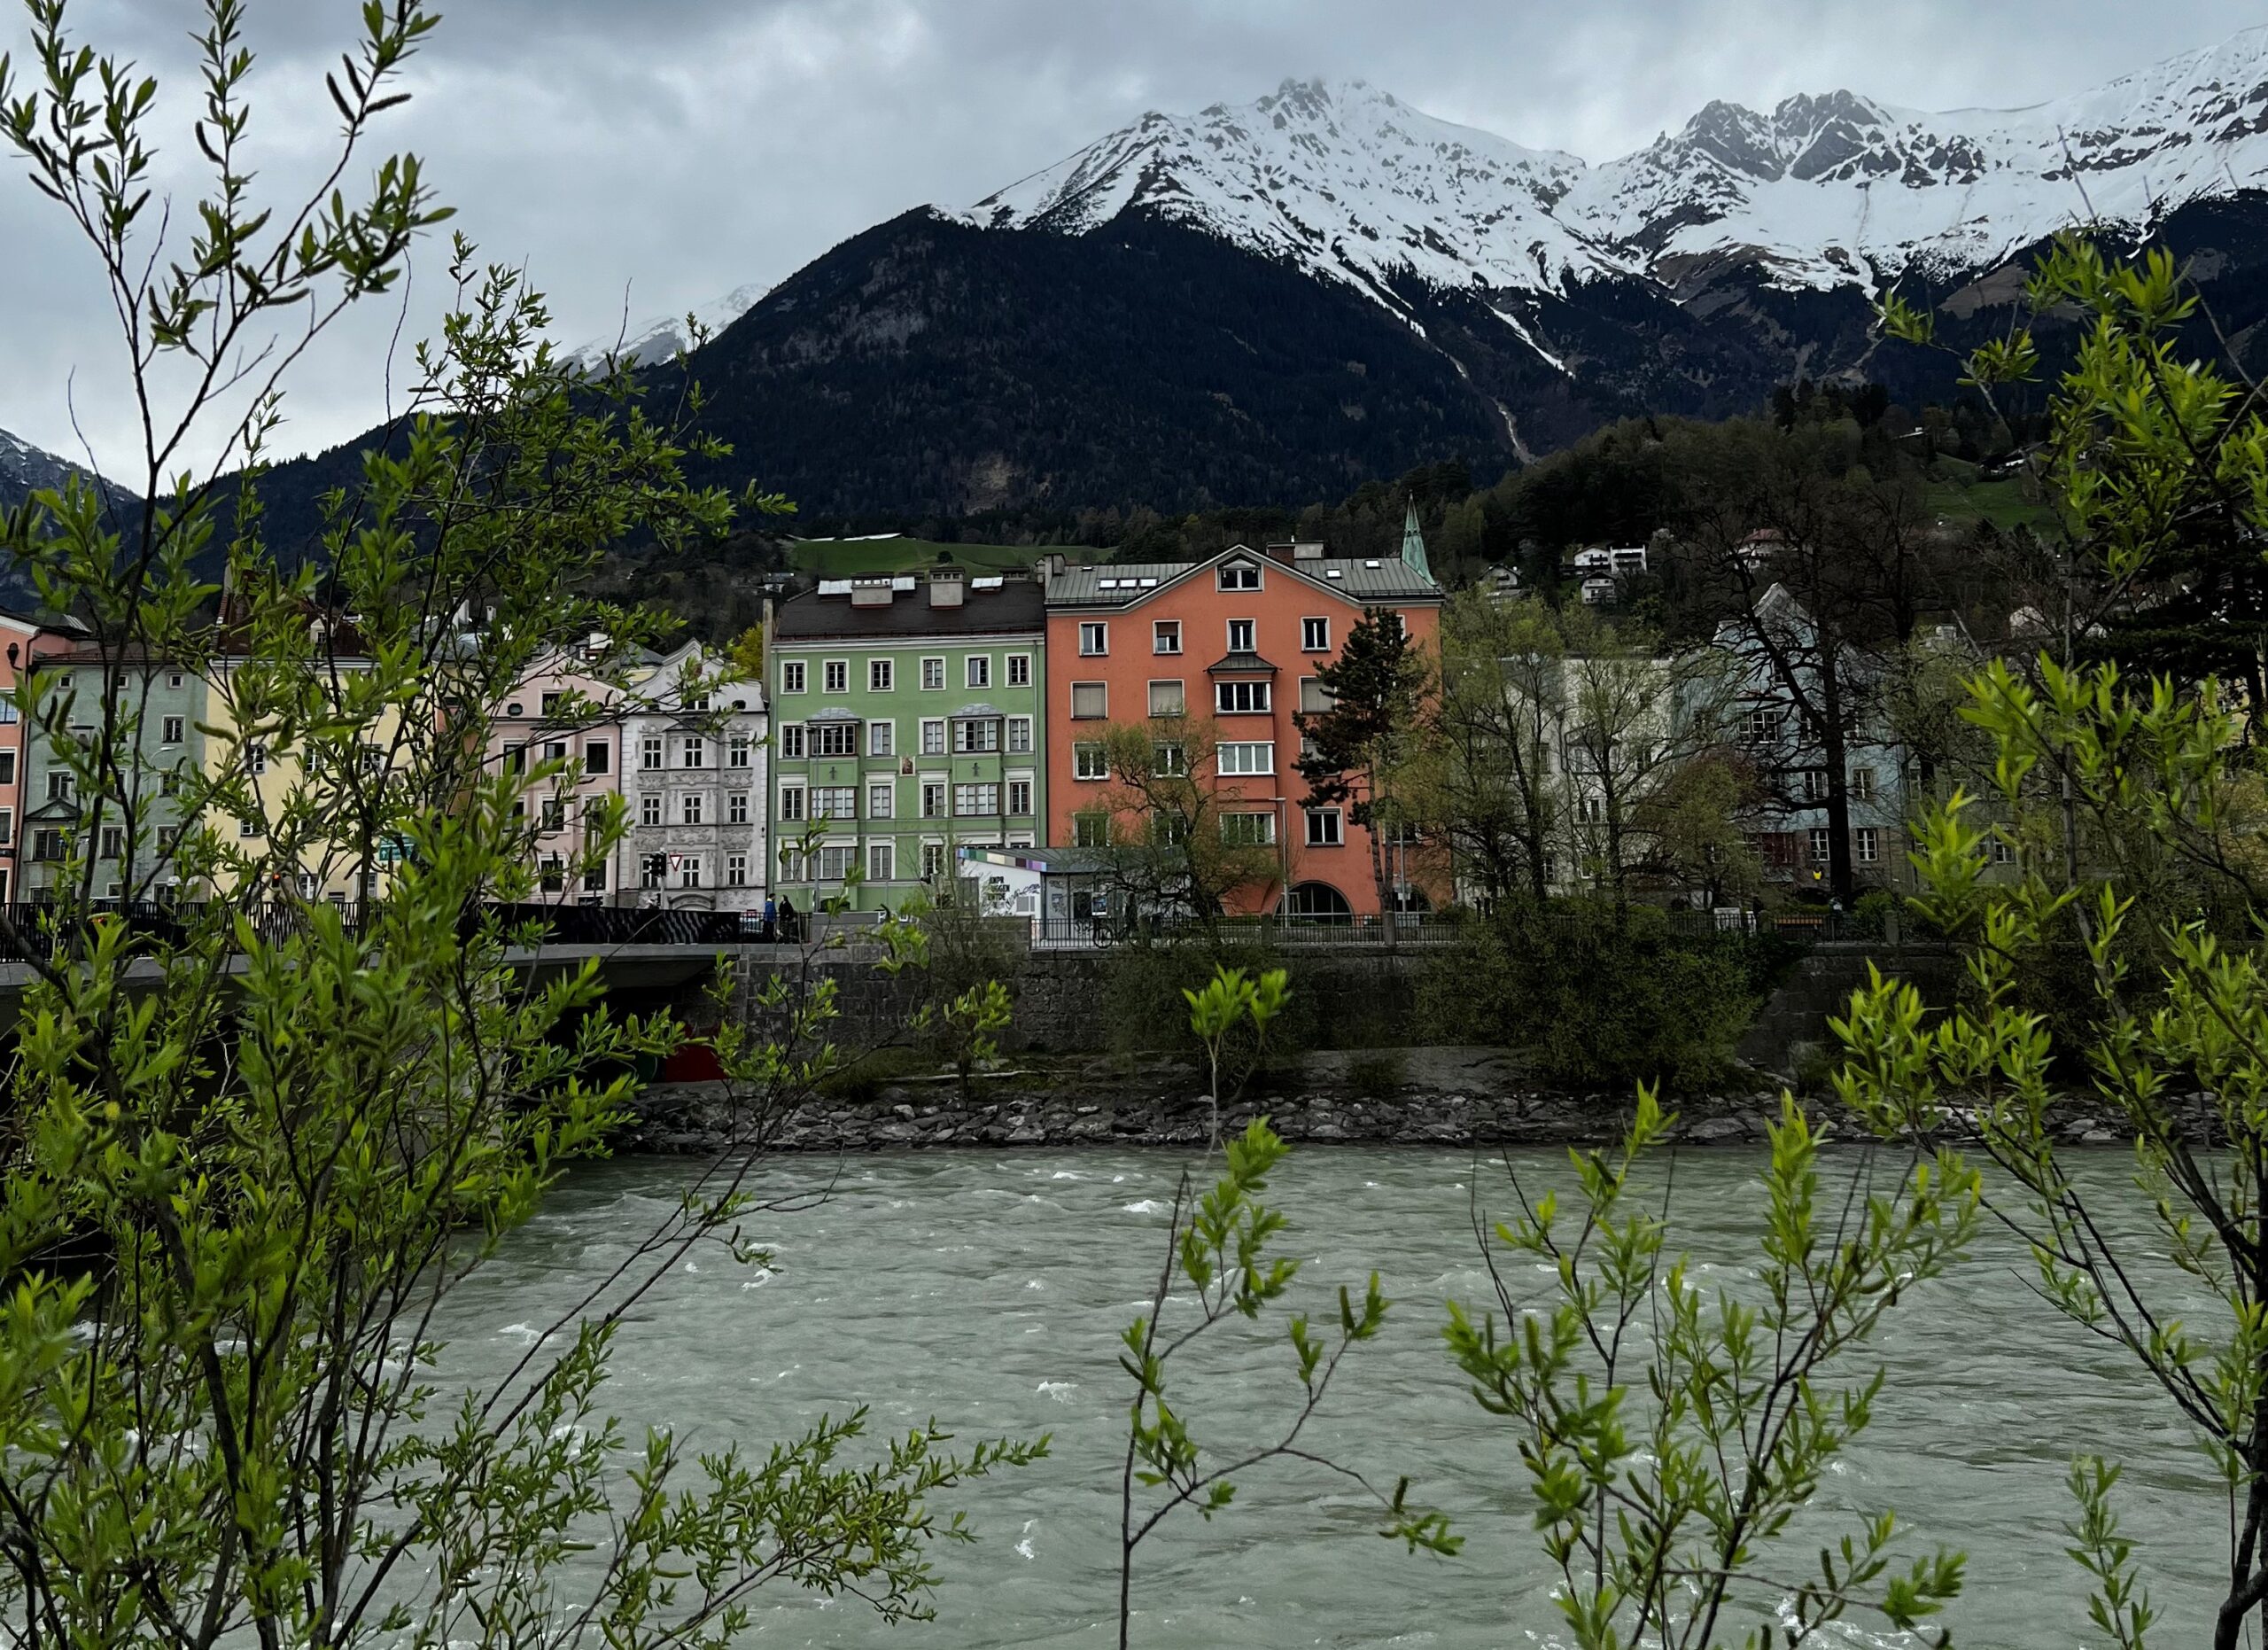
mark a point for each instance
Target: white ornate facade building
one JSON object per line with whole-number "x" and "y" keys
{"x": 694, "y": 788}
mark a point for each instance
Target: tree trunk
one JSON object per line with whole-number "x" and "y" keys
{"x": 1835, "y": 752}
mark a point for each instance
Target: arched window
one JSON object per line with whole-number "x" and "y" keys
{"x": 1316, "y": 902}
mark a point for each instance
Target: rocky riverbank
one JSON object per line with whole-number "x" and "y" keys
{"x": 1413, "y": 1097}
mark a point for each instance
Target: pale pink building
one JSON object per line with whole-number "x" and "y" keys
{"x": 539, "y": 723}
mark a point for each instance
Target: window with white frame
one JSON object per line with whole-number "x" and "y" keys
{"x": 1862, "y": 784}
{"x": 933, "y": 737}
{"x": 976, "y": 737}
{"x": 835, "y": 739}
{"x": 881, "y": 738}
{"x": 835, "y": 863}
{"x": 736, "y": 808}
{"x": 1866, "y": 844}
{"x": 791, "y": 676}
{"x": 1019, "y": 670}
{"x": 1315, "y": 635}
{"x": 1090, "y": 701}
{"x": 554, "y": 813}
{"x": 933, "y": 675}
{"x": 736, "y": 751}
{"x": 880, "y": 674}
{"x": 1248, "y": 830}
{"x": 1020, "y": 736}
{"x": 933, "y": 860}
{"x": 2002, "y": 853}
{"x": 595, "y": 756}
{"x": 256, "y": 758}
{"x": 1238, "y": 758}
{"x": 1090, "y": 831}
{"x": 881, "y": 800}
{"x": 1814, "y": 784}
{"x": 791, "y": 741}
{"x": 1239, "y": 576}
{"x": 1763, "y": 725}
{"x": 1169, "y": 760}
{"x": 176, "y": 730}
{"x": 1169, "y": 698}
{"x": 975, "y": 801}
{"x": 1240, "y": 635}
{"x": 1820, "y": 845}
{"x": 1240, "y": 699}
{"x": 976, "y": 669}
{"x": 837, "y": 675}
{"x": 1315, "y": 698}
{"x": 649, "y": 751}
{"x": 1020, "y": 797}
{"x": 933, "y": 801}
{"x": 1094, "y": 640}
{"x": 689, "y": 869}
{"x": 834, "y": 802}
{"x": 693, "y": 752}
{"x": 1165, "y": 636}
{"x": 791, "y": 803}
{"x": 1326, "y": 828}
{"x": 881, "y": 862}
{"x": 736, "y": 870}
{"x": 1089, "y": 761}
{"x": 692, "y": 809}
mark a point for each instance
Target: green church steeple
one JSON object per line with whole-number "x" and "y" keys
{"x": 1413, "y": 543}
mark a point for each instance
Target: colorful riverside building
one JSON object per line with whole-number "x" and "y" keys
{"x": 1234, "y": 644}
{"x": 693, "y": 790}
{"x": 565, "y": 711}
{"x": 23, "y": 640}
{"x": 123, "y": 860}
{"x": 906, "y": 725}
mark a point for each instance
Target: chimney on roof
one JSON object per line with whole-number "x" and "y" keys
{"x": 948, "y": 586}
{"x": 1281, "y": 552}
{"x": 876, "y": 592}
{"x": 1307, "y": 550}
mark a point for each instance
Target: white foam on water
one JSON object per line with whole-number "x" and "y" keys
{"x": 1147, "y": 1206}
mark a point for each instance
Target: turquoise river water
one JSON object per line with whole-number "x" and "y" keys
{"x": 988, "y": 1289}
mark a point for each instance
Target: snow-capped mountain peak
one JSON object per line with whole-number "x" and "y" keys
{"x": 1336, "y": 176}
{"x": 1827, "y": 190}
{"x": 658, "y": 338}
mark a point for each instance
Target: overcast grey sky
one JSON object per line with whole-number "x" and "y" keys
{"x": 653, "y": 154}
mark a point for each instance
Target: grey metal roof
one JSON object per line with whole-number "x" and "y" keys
{"x": 1358, "y": 578}
{"x": 1240, "y": 665}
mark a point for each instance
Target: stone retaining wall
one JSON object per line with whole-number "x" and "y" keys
{"x": 1349, "y": 997}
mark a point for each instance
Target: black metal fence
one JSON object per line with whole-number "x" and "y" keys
{"x": 1429, "y": 929}
{"x": 44, "y": 931}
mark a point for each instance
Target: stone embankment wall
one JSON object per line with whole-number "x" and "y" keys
{"x": 1351, "y": 997}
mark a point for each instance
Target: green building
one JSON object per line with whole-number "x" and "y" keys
{"x": 132, "y": 858}
{"x": 906, "y": 725}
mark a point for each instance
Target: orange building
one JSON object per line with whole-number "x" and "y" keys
{"x": 1234, "y": 643}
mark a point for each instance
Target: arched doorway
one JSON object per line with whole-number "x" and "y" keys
{"x": 1316, "y": 902}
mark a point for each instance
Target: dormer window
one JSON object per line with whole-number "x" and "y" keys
{"x": 1239, "y": 576}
